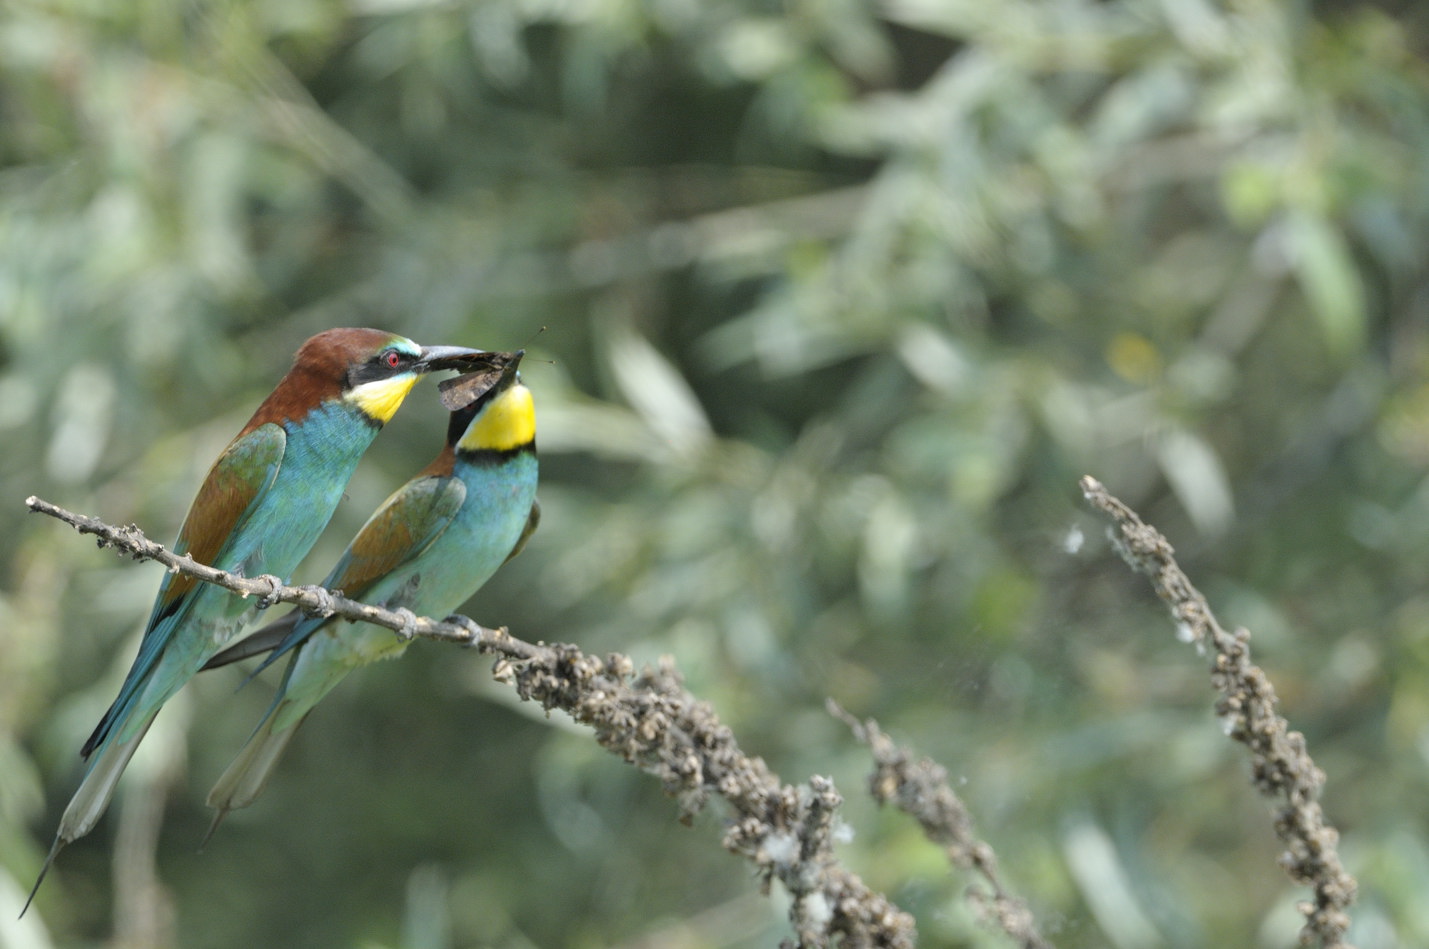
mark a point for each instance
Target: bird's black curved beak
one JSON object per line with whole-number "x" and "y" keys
{"x": 455, "y": 357}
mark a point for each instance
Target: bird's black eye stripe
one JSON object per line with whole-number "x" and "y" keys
{"x": 381, "y": 365}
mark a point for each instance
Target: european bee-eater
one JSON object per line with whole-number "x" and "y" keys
{"x": 428, "y": 548}
{"x": 259, "y": 510}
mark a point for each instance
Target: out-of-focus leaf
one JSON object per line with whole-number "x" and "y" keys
{"x": 1106, "y": 885}
{"x": 1329, "y": 278}
{"x": 1199, "y": 480}
{"x": 82, "y": 421}
{"x": 657, "y": 391}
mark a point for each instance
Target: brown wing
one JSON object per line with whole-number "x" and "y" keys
{"x": 236, "y": 481}
{"x": 398, "y": 531}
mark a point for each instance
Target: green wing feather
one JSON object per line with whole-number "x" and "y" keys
{"x": 239, "y": 476}
{"x": 230, "y": 492}
{"x": 398, "y": 531}
{"x": 404, "y": 526}
{"x": 532, "y": 522}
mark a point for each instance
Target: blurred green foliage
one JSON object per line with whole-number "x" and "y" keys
{"x": 840, "y": 300}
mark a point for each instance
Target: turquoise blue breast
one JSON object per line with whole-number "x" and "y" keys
{"x": 322, "y": 452}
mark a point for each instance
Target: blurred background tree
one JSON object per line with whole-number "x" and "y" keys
{"x": 840, "y": 300}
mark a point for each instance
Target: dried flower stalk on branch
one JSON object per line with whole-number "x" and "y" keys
{"x": 1280, "y": 765}
{"x": 921, "y": 790}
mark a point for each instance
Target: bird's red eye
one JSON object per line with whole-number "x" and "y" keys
{"x": 393, "y": 358}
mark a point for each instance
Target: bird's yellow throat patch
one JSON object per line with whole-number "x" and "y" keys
{"x": 381, "y": 399}
{"x": 507, "y": 422}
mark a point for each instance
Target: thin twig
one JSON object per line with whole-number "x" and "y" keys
{"x": 921, "y": 790}
{"x": 1280, "y": 765}
{"x": 311, "y": 599}
{"x": 650, "y": 721}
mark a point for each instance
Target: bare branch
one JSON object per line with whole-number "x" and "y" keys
{"x": 270, "y": 590}
{"x": 921, "y": 790}
{"x": 649, "y": 720}
{"x": 1280, "y": 765}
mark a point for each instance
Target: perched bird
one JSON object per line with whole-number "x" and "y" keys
{"x": 428, "y": 548}
{"x": 259, "y": 510}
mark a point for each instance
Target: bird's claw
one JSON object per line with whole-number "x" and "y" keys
{"x": 408, "y": 632}
{"x": 475, "y": 630}
{"x": 326, "y": 605}
{"x": 275, "y": 585}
